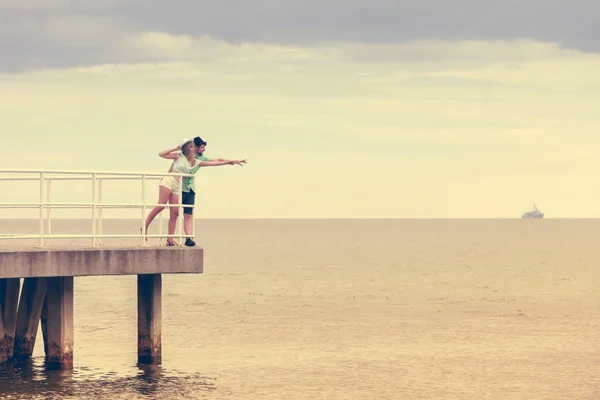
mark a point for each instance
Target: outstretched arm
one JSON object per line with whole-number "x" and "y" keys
{"x": 170, "y": 154}
{"x": 221, "y": 161}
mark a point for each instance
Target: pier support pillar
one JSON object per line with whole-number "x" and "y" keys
{"x": 28, "y": 315}
{"x": 44, "y": 323}
{"x": 9, "y": 300}
{"x": 2, "y": 342}
{"x": 149, "y": 318}
{"x": 59, "y": 323}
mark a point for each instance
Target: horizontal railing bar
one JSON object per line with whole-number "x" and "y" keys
{"x": 24, "y": 179}
{"x": 73, "y": 172}
{"x": 84, "y": 236}
{"x": 108, "y": 205}
{"x": 68, "y": 178}
{"x": 20, "y": 205}
{"x": 88, "y": 205}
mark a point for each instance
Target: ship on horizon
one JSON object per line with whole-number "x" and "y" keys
{"x": 535, "y": 213}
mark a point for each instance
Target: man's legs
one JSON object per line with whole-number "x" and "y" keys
{"x": 188, "y": 198}
{"x": 187, "y": 226}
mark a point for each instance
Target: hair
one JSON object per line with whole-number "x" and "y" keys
{"x": 186, "y": 148}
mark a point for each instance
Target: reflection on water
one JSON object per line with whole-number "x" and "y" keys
{"x": 29, "y": 379}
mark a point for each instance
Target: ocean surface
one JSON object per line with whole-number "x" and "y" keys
{"x": 345, "y": 309}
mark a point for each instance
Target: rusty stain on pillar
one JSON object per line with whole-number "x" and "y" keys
{"x": 59, "y": 300}
{"x": 28, "y": 315}
{"x": 9, "y": 300}
{"x": 149, "y": 318}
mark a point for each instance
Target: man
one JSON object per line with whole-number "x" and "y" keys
{"x": 188, "y": 189}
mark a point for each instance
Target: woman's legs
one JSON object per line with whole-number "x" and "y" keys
{"x": 163, "y": 196}
{"x": 173, "y": 214}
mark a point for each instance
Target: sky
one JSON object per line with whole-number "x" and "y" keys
{"x": 343, "y": 109}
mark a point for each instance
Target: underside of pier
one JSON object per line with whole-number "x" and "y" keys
{"x": 36, "y": 286}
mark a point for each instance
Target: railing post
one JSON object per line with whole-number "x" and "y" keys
{"x": 94, "y": 210}
{"x": 162, "y": 222}
{"x": 180, "y": 218}
{"x": 48, "y": 208}
{"x": 100, "y": 209}
{"x": 42, "y": 177}
{"x": 143, "y": 208}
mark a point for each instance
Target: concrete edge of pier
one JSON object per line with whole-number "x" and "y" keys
{"x": 62, "y": 262}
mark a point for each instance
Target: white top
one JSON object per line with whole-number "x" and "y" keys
{"x": 183, "y": 165}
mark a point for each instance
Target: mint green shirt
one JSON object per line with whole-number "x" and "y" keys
{"x": 189, "y": 182}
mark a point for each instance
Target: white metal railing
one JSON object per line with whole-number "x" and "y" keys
{"x": 96, "y": 178}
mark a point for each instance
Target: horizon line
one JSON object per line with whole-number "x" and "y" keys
{"x": 321, "y": 218}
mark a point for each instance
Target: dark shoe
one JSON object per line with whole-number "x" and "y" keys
{"x": 189, "y": 242}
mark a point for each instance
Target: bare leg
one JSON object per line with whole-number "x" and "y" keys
{"x": 187, "y": 223}
{"x": 163, "y": 196}
{"x": 173, "y": 215}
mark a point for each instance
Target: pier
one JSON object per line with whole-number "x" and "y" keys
{"x": 37, "y": 282}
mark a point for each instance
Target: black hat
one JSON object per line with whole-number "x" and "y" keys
{"x": 198, "y": 141}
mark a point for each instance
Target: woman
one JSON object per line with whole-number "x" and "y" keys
{"x": 185, "y": 162}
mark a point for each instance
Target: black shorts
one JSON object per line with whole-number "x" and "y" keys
{"x": 188, "y": 198}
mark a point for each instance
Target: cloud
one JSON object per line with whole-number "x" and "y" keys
{"x": 351, "y": 68}
{"x": 59, "y": 40}
{"x": 166, "y": 47}
{"x": 328, "y": 127}
{"x": 59, "y": 33}
{"x": 439, "y": 91}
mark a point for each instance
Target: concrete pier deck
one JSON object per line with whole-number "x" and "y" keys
{"x": 97, "y": 261}
{"x": 46, "y": 295}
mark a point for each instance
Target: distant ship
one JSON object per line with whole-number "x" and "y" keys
{"x": 535, "y": 213}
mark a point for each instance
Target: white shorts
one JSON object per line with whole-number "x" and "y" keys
{"x": 171, "y": 183}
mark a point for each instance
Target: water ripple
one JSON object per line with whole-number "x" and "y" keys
{"x": 28, "y": 379}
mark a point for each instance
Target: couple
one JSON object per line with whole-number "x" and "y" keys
{"x": 187, "y": 158}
